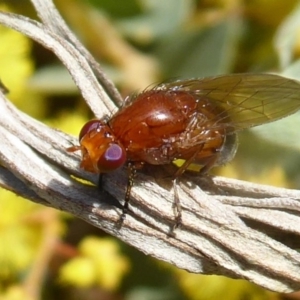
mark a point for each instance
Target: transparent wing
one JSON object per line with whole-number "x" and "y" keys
{"x": 245, "y": 99}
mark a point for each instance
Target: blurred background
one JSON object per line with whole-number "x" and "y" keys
{"x": 46, "y": 254}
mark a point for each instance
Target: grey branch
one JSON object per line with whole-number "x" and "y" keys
{"x": 229, "y": 227}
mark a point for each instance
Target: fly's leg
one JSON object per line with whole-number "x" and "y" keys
{"x": 131, "y": 176}
{"x": 177, "y": 205}
{"x": 177, "y": 208}
{"x": 3, "y": 88}
{"x": 100, "y": 182}
{"x": 210, "y": 164}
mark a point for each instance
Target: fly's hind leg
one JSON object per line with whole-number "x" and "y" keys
{"x": 210, "y": 164}
{"x": 177, "y": 204}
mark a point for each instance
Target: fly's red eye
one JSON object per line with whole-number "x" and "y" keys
{"x": 89, "y": 126}
{"x": 113, "y": 158}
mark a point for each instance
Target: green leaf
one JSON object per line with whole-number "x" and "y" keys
{"x": 200, "y": 53}
{"x": 284, "y": 132}
{"x": 160, "y": 18}
{"x": 287, "y": 37}
{"x": 118, "y": 9}
{"x": 293, "y": 70}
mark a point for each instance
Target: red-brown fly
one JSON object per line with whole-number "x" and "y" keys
{"x": 194, "y": 120}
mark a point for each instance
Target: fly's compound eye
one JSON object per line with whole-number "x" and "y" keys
{"x": 113, "y": 158}
{"x": 89, "y": 126}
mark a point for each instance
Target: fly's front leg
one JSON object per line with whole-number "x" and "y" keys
{"x": 100, "y": 182}
{"x": 130, "y": 182}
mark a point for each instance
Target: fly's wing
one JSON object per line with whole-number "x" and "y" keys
{"x": 245, "y": 100}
